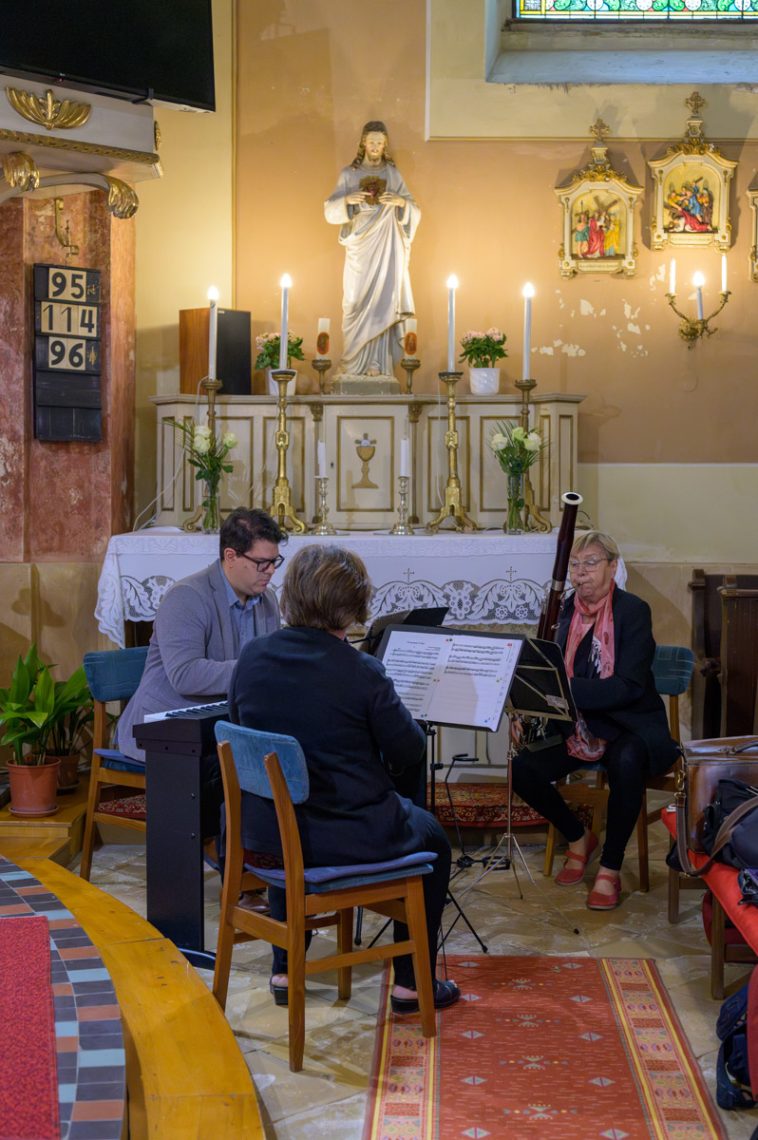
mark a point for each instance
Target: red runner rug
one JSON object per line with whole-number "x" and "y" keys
{"x": 29, "y": 1082}
{"x": 569, "y": 1048}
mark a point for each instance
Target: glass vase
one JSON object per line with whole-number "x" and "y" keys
{"x": 211, "y": 520}
{"x": 514, "y": 519}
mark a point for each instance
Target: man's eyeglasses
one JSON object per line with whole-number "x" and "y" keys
{"x": 264, "y": 564}
{"x": 588, "y": 564}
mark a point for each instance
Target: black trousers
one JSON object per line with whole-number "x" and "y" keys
{"x": 626, "y": 763}
{"x": 431, "y": 837}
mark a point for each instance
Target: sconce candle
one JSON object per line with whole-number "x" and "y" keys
{"x": 672, "y": 278}
{"x": 286, "y": 284}
{"x": 723, "y": 273}
{"x": 699, "y": 281}
{"x": 405, "y": 456}
{"x": 527, "y": 293}
{"x": 322, "y": 337}
{"x": 452, "y": 285}
{"x": 212, "y": 331}
{"x": 410, "y": 342}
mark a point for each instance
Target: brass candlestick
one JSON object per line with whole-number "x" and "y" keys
{"x": 452, "y": 507}
{"x": 211, "y": 389}
{"x": 281, "y": 506}
{"x": 322, "y": 364}
{"x": 323, "y": 526}
{"x": 409, "y": 364}
{"x": 691, "y": 330}
{"x": 531, "y": 510}
{"x": 402, "y": 526}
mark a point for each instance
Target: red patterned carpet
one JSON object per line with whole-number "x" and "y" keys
{"x": 569, "y": 1048}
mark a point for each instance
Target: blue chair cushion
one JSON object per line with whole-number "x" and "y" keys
{"x": 250, "y": 746}
{"x": 117, "y": 762}
{"x": 321, "y": 879}
{"x": 672, "y": 669}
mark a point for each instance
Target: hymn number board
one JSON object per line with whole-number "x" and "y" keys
{"x": 67, "y": 319}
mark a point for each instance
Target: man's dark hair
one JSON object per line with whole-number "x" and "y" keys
{"x": 243, "y": 527}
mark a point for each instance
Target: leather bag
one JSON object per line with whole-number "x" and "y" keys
{"x": 704, "y": 763}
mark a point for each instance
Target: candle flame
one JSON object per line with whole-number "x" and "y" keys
{"x": 452, "y": 281}
{"x": 528, "y": 290}
{"x": 213, "y": 293}
{"x": 286, "y": 281}
{"x": 698, "y": 280}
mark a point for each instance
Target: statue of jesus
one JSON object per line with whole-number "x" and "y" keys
{"x": 378, "y": 220}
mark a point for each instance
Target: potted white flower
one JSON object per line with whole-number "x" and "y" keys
{"x": 481, "y": 351}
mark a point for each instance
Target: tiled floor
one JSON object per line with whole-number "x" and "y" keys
{"x": 328, "y": 1097}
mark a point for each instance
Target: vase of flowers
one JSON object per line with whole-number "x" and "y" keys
{"x": 267, "y": 347}
{"x": 481, "y": 351}
{"x": 207, "y": 454}
{"x": 515, "y": 450}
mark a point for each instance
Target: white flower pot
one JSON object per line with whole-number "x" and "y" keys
{"x": 273, "y": 387}
{"x": 484, "y": 381}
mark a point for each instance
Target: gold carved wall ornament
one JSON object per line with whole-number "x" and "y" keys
{"x": 47, "y": 111}
{"x": 598, "y": 216}
{"x": 20, "y": 171}
{"x": 122, "y": 199}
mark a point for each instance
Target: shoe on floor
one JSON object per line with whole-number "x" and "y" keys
{"x": 254, "y": 901}
{"x": 568, "y": 876}
{"x": 445, "y": 994}
{"x": 281, "y": 993}
{"x": 596, "y": 900}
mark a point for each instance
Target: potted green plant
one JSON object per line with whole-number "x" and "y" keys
{"x": 481, "y": 351}
{"x": 267, "y": 347}
{"x": 43, "y": 720}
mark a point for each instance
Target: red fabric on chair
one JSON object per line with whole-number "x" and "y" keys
{"x": 29, "y": 1085}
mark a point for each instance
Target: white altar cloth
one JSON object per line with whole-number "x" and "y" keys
{"x": 484, "y": 578}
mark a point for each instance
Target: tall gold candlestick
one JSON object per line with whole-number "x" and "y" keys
{"x": 452, "y": 507}
{"x": 532, "y": 513}
{"x": 281, "y": 507}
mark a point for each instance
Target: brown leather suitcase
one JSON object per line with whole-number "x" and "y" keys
{"x": 705, "y": 763}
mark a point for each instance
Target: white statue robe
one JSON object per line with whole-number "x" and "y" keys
{"x": 376, "y": 282}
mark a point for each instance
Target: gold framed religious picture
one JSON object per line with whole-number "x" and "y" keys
{"x": 692, "y": 188}
{"x": 598, "y": 216}
{"x": 752, "y": 195}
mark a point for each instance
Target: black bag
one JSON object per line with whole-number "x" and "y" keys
{"x": 732, "y": 1072}
{"x": 739, "y": 848}
{"x": 747, "y": 880}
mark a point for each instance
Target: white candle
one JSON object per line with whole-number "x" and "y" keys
{"x": 212, "y": 331}
{"x": 672, "y": 278}
{"x": 405, "y": 456}
{"x": 286, "y": 284}
{"x": 452, "y": 285}
{"x": 699, "y": 281}
{"x": 322, "y": 337}
{"x": 321, "y": 458}
{"x": 527, "y": 293}
{"x": 723, "y": 273}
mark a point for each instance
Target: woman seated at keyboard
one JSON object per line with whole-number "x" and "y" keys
{"x": 307, "y": 681}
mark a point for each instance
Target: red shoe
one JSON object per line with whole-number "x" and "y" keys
{"x": 596, "y": 900}
{"x": 569, "y": 876}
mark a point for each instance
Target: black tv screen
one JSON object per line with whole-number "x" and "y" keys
{"x": 130, "y": 49}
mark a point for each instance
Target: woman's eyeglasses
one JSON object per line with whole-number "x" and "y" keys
{"x": 588, "y": 564}
{"x": 264, "y": 564}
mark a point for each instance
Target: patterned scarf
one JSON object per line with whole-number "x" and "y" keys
{"x": 598, "y": 616}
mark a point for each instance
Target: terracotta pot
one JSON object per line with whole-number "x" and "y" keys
{"x": 68, "y": 773}
{"x": 33, "y": 787}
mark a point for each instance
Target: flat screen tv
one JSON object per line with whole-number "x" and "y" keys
{"x": 131, "y": 49}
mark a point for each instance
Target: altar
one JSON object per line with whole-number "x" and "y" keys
{"x": 485, "y": 578}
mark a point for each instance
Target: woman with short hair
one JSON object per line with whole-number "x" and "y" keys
{"x": 607, "y": 639}
{"x": 307, "y": 681}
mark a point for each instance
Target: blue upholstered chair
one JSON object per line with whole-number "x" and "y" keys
{"x": 672, "y": 670}
{"x": 274, "y": 767}
{"x": 112, "y": 675}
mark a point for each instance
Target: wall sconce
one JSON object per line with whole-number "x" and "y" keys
{"x": 691, "y": 330}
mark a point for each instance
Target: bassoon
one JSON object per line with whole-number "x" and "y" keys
{"x": 551, "y": 609}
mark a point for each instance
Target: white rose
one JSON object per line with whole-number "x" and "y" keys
{"x": 519, "y": 435}
{"x": 201, "y": 445}
{"x": 498, "y": 441}
{"x": 203, "y": 430}
{"x": 533, "y": 441}
{"x": 229, "y": 439}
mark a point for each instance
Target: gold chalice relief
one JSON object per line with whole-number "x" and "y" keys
{"x": 366, "y": 449}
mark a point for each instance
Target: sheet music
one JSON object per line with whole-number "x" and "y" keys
{"x": 454, "y": 678}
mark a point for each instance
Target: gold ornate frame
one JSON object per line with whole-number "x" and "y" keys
{"x": 692, "y": 183}
{"x": 753, "y": 199}
{"x": 598, "y": 216}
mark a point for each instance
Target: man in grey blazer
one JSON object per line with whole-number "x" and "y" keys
{"x": 205, "y": 619}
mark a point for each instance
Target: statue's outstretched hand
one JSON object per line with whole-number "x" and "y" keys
{"x": 388, "y": 198}
{"x": 357, "y": 198}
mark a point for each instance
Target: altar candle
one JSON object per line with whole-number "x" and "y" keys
{"x": 699, "y": 281}
{"x": 452, "y": 285}
{"x": 527, "y": 293}
{"x": 321, "y": 459}
{"x": 723, "y": 273}
{"x": 405, "y": 456}
{"x": 212, "y": 331}
{"x": 409, "y": 341}
{"x": 322, "y": 337}
{"x": 672, "y": 277}
{"x": 286, "y": 284}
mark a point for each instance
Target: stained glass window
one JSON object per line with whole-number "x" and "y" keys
{"x": 674, "y": 11}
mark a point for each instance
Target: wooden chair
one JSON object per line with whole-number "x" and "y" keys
{"x": 274, "y": 766}
{"x": 672, "y": 670}
{"x": 712, "y": 715}
{"x": 112, "y": 675}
